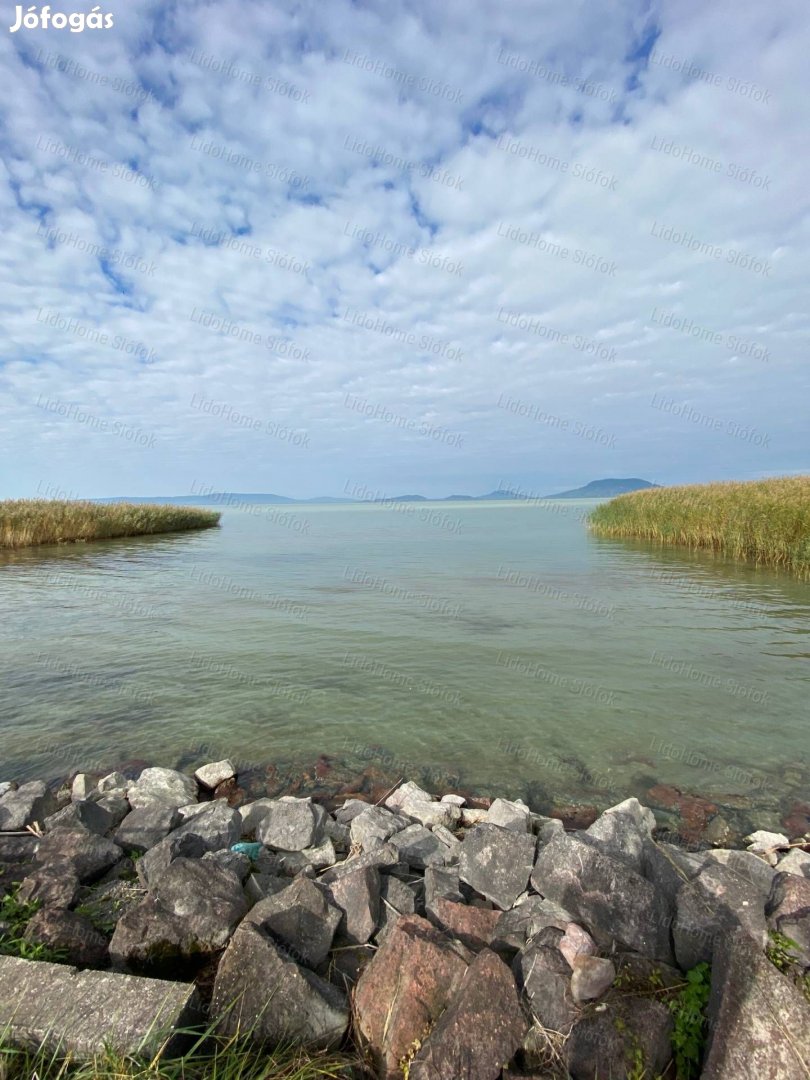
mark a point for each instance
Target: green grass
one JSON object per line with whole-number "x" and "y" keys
{"x": 28, "y": 522}
{"x": 765, "y": 522}
{"x": 15, "y": 914}
{"x": 208, "y": 1058}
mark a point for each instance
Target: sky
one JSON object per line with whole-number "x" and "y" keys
{"x": 388, "y": 247}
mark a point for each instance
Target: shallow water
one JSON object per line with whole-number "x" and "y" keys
{"x": 500, "y": 643}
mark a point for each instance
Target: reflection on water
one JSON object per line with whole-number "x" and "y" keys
{"x": 518, "y": 652}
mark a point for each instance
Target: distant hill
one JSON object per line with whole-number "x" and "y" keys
{"x": 604, "y": 489}
{"x": 597, "y": 489}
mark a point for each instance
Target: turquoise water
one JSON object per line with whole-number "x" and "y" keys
{"x": 500, "y": 643}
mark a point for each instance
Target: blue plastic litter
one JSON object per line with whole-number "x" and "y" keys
{"x": 248, "y": 847}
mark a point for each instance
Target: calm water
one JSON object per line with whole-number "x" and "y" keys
{"x": 498, "y": 642}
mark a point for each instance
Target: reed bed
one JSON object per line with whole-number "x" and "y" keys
{"x": 765, "y": 522}
{"x": 29, "y": 522}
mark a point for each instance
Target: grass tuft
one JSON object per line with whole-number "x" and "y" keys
{"x": 28, "y": 522}
{"x": 766, "y": 522}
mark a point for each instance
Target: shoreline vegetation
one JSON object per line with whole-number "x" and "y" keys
{"x": 765, "y": 522}
{"x": 32, "y": 522}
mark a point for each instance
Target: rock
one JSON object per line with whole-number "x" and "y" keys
{"x": 667, "y": 867}
{"x": 454, "y": 800}
{"x": 718, "y": 832}
{"x": 396, "y": 898}
{"x": 114, "y": 781}
{"x": 767, "y": 844}
{"x": 16, "y": 859}
{"x": 623, "y": 832}
{"x": 340, "y": 835}
{"x": 717, "y": 901}
{"x": 431, "y": 813}
{"x": 25, "y": 805}
{"x": 235, "y": 861}
{"x": 83, "y": 784}
{"x": 292, "y": 824}
{"x": 473, "y": 926}
{"x": 115, "y": 803}
{"x": 509, "y": 815}
{"x": 481, "y": 1030}
{"x": 357, "y": 896}
{"x": 165, "y": 786}
{"x": 75, "y": 1013}
{"x": 80, "y": 815}
{"x": 70, "y": 933}
{"x": 576, "y": 942}
{"x": 6, "y": 786}
{"x": 194, "y": 909}
{"x": 407, "y": 792}
{"x": 301, "y": 918}
{"x": 259, "y": 989}
{"x": 759, "y": 1022}
{"x": 382, "y": 857}
{"x": 788, "y": 911}
{"x": 231, "y": 792}
{"x": 212, "y": 775}
{"x": 404, "y": 990}
{"x": 515, "y": 927}
{"x": 215, "y": 828}
{"x": 496, "y": 863}
{"x": 797, "y": 821}
{"x": 441, "y": 882}
{"x": 142, "y": 829}
{"x": 450, "y": 841}
{"x": 749, "y": 866}
{"x": 471, "y": 816}
{"x": 604, "y": 895}
{"x": 795, "y": 862}
{"x": 91, "y": 855}
{"x": 374, "y": 825}
{"x": 417, "y": 846}
{"x": 592, "y": 977}
{"x": 606, "y": 1043}
{"x": 314, "y": 858}
{"x": 346, "y": 813}
{"x": 55, "y": 885}
{"x": 545, "y": 977}
{"x": 253, "y": 813}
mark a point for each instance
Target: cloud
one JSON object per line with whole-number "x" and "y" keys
{"x": 285, "y": 211}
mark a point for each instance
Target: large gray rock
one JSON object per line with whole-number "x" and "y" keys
{"x": 606, "y": 1043}
{"x": 383, "y": 857}
{"x": 357, "y": 897}
{"x": 72, "y": 934}
{"x": 345, "y": 814}
{"x": 374, "y": 825}
{"x": 481, "y": 1030}
{"x": 418, "y": 847}
{"x": 746, "y": 864}
{"x": 714, "y": 903}
{"x": 215, "y": 773}
{"x": 795, "y": 862}
{"x": 441, "y": 882}
{"x": 623, "y": 832}
{"x": 314, "y": 858}
{"x": 81, "y": 815}
{"x": 292, "y": 824}
{"x": 142, "y": 829}
{"x": 301, "y": 919}
{"x": 215, "y": 828}
{"x": 253, "y": 813}
{"x": 25, "y": 805}
{"x": 407, "y": 792}
{"x": 396, "y": 898}
{"x": 165, "y": 786}
{"x": 91, "y": 855}
{"x": 606, "y": 896}
{"x": 516, "y": 926}
{"x": 545, "y": 977}
{"x": 431, "y": 813}
{"x": 259, "y": 989}
{"x": 788, "y": 911}
{"x": 194, "y": 909}
{"x": 510, "y": 815}
{"x": 77, "y": 1013}
{"x": 759, "y": 1022}
{"x": 496, "y": 863}
{"x": 55, "y": 885}
{"x": 114, "y": 781}
{"x": 592, "y": 977}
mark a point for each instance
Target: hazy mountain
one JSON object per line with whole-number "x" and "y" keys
{"x": 604, "y": 489}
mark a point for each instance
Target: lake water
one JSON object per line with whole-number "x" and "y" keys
{"x": 499, "y": 643}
